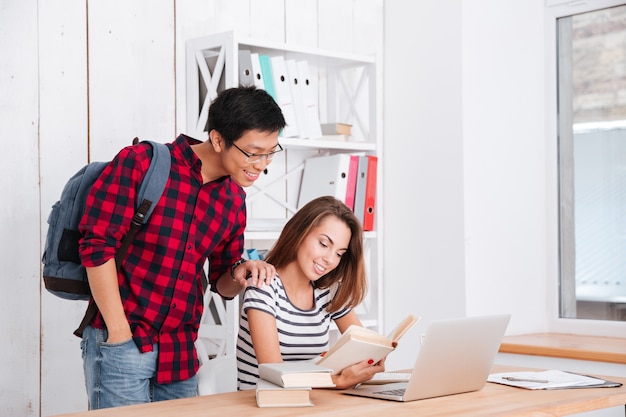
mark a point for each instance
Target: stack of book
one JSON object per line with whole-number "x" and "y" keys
{"x": 289, "y": 384}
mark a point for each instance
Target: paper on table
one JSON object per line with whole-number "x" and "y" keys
{"x": 550, "y": 379}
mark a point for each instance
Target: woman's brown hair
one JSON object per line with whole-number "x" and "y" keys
{"x": 350, "y": 273}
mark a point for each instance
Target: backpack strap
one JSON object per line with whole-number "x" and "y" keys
{"x": 149, "y": 194}
{"x": 156, "y": 178}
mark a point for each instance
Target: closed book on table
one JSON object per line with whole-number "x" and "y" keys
{"x": 296, "y": 374}
{"x": 324, "y": 175}
{"x": 271, "y": 395}
{"x": 370, "y": 193}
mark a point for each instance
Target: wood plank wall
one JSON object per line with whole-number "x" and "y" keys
{"x": 79, "y": 80}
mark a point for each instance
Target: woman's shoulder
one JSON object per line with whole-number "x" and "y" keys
{"x": 274, "y": 288}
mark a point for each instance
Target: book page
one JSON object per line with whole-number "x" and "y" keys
{"x": 353, "y": 352}
{"x": 367, "y": 335}
{"x": 351, "y": 334}
{"x": 404, "y": 326}
{"x": 360, "y": 343}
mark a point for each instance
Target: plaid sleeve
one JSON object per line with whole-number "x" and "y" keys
{"x": 110, "y": 206}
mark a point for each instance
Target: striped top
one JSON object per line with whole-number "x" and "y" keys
{"x": 302, "y": 334}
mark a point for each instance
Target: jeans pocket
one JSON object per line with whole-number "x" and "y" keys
{"x": 127, "y": 356}
{"x": 117, "y": 344}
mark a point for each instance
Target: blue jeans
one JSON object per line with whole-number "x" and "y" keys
{"x": 119, "y": 374}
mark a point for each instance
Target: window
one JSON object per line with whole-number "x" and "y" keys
{"x": 591, "y": 84}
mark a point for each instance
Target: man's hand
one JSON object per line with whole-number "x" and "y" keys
{"x": 259, "y": 273}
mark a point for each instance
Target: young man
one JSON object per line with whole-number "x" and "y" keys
{"x": 140, "y": 345}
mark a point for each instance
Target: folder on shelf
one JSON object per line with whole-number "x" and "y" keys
{"x": 253, "y": 254}
{"x": 324, "y": 175}
{"x": 308, "y": 87}
{"x": 246, "y": 75}
{"x": 351, "y": 185}
{"x": 256, "y": 70}
{"x": 370, "y": 193}
{"x": 296, "y": 95}
{"x": 283, "y": 97}
{"x": 266, "y": 74}
{"x": 361, "y": 183}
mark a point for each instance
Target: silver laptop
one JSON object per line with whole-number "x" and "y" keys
{"x": 456, "y": 356}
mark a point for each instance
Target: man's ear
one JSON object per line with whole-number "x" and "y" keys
{"x": 217, "y": 141}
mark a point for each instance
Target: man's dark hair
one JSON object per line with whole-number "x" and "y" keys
{"x": 236, "y": 110}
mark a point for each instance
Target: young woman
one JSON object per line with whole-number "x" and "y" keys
{"x": 320, "y": 277}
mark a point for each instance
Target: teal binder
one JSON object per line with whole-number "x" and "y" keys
{"x": 266, "y": 74}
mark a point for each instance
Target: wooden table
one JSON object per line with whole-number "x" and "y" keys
{"x": 493, "y": 400}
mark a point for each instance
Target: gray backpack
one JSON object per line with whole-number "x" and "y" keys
{"x": 63, "y": 274}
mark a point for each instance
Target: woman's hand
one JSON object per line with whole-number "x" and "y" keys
{"x": 358, "y": 373}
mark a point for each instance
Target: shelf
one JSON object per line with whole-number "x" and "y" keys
{"x": 274, "y": 233}
{"x": 323, "y": 57}
{"x": 327, "y": 144}
{"x": 261, "y": 229}
{"x": 347, "y": 90}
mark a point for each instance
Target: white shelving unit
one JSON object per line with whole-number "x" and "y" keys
{"x": 348, "y": 90}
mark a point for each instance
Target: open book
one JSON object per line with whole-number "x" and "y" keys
{"x": 357, "y": 344}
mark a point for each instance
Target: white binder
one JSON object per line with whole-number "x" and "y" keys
{"x": 308, "y": 86}
{"x": 283, "y": 95}
{"x": 324, "y": 175}
{"x": 256, "y": 70}
{"x": 298, "y": 100}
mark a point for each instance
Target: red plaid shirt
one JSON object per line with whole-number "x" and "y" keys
{"x": 160, "y": 280}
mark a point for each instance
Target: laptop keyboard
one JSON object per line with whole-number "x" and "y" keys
{"x": 398, "y": 392}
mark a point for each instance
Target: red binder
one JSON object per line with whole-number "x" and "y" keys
{"x": 370, "y": 193}
{"x": 352, "y": 174}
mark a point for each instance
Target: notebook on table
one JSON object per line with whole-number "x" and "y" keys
{"x": 456, "y": 356}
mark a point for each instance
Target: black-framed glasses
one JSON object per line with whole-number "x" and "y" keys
{"x": 252, "y": 158}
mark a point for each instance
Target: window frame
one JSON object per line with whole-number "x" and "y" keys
{"x": 554, "y": 322}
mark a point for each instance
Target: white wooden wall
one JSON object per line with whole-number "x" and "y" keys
{"x": 79, "y": 79}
